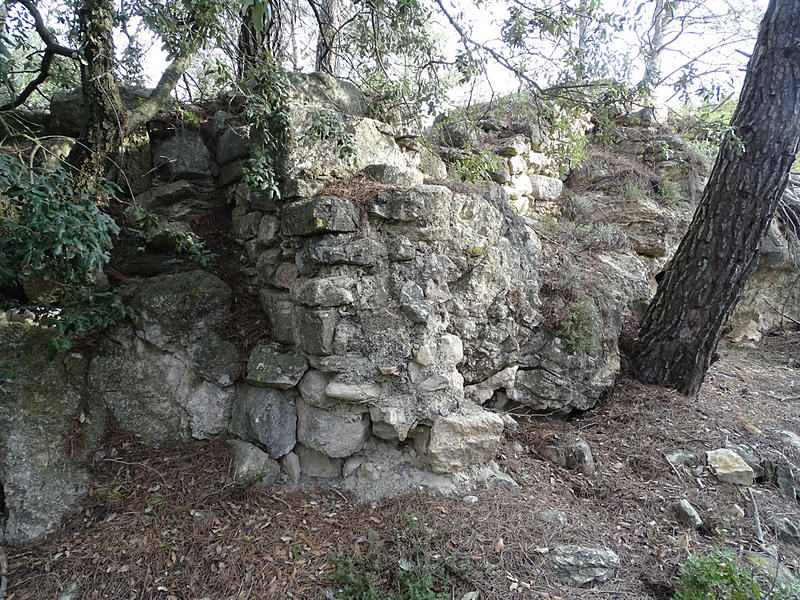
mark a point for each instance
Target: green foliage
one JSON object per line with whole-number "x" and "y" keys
{"x": 578, "y": 329}
{"x": 410, "y": 568}
{"x": 329, "y": 125}
{"x": 149, "y": 226}
{"x": 267, "y": 112}
{"x": 394, "y": 55}
{"x": 61, "y": 238}
{"x": 86, "y": 312}
{"x": 568, "y": 152}
{"x": 48, "y": 230}
{"x": 719, "y": 576}
{"x": 634, "y": 191}
{"x": 472, "y": 166}
{"x": 669, "y": 193}
{"x": 704, "y": 126}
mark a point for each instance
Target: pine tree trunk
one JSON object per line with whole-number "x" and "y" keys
{"x": 100, "y": 148}
{"x": 682, "y": 327}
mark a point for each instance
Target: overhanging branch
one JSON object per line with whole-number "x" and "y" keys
{"x": 52, "y": 49}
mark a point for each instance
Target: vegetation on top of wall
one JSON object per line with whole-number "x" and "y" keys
{"x": 268, "y": 114}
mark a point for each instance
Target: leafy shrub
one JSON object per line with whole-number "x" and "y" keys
{"x": 719, "y": 576}
{"x": 268, "y": 113}
{"x": 47, "y": 229}
{"x": 579, "y": 209}
{"x": 669, "y": 193}
{"x": 149, "y": 226}
{"x": 472, "y": 166}
{"x": 328, "y": 125}
{"x": 578, "y": 329}
{"x": 633, "y": 191}
{"x": 62, "y": 238}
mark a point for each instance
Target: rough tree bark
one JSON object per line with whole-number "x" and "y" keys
{"x": 327, "y": 15}
{"x": 256, "y": 43}
{"x": 104, "y": 116}
{"x": 682, "y": 327}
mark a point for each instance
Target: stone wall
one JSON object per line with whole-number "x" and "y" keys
{"x": 405, "y": 316}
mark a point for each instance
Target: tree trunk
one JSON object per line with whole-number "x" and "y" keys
{"x": 682, "y": 327}
{"x": 652, "y": 60}
{"x": 260, "y": 40}
{"x": 328, "y": 21}
{"x": 100, "y": 147}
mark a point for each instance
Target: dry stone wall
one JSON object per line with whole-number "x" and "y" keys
{"x": 405, "y": 316}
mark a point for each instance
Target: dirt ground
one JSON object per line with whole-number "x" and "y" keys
{"x": 172, "y": 526}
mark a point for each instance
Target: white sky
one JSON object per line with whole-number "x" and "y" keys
{"x": 484, "y": 23}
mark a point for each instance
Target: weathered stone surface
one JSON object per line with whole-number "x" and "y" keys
{"x": 746, "y": 454}
{"x": 312, "y": 389}
{"x": 322, "y": 89}
{"x": 324, "y": 214}
{"x": 184, "y": 155}
{"x": 66, "y": 108}
{"x": 337, "y": 433}
{"x": 268, "y": 366}
{"x": 252, "y": 467}
{"x": 462, "y": 438}
{"x": 513, "y": 146}
{"x": 172, "y": 376}
{"x": 340, "y": 250}
{"x": 268, "y": 228}
{"x": 279, "y": 308}
{"x": 233, "y": 144}
{"x": 264, "y": 417}
{"x": 575, "y": 455}
{"x": 684, "y": 457}
{"x": 318, "y": 464}
{"x": 790, "y": 438}
{"x": 686, "y": 513}
{"x": 354, "y": 392}
{"x": 788, "y": 531}
{"x": 314, "y": 329}
{"x": 290, "y": 464}
{"x": 556, "y": 517}
{"x": 788, "y": 479}
{"x": 395, "y": 176}
{"x": 729, "y": 467}
{"x": 546, "y": 188}
{"x": 327, "y": 291}
{"x": 579, "y": 565}
{"x": 40, "y": 408}
{"x": 167, "y": 194}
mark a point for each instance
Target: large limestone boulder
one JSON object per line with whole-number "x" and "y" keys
{"x": 48, "y": 426}
{"x": 171, "y": 376}
{"x": 460, "y": 439}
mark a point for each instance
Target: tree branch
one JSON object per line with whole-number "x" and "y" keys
{"x": 45, "y": 34}
{"x": 52, "y": 48}
{"x": 158, "y": 98}
{"x": 499, "y": 58}
{"x": 44, "y": 71}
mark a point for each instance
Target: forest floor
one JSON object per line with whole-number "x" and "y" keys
{"x": 172, "y": 526}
